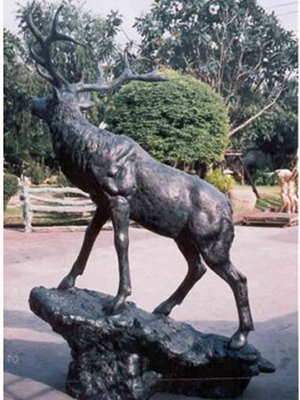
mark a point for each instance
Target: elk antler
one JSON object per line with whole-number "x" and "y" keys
{"x": 48, "y": 71}
{"x": 101, "y": 85}
{"x": 43, "y": 59}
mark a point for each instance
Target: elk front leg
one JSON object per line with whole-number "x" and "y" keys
{"x": 120, "y": 211}
{"x": 99, "y": 219}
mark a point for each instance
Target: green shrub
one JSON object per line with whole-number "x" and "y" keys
{"x": 265, "y": 177}
{"x": 180, "y": 121}
{"x": 37, "y": 173}
{"x": 63, "y": 181}
{"x": 10, "y": 187}
{"x": 222, "y": 182}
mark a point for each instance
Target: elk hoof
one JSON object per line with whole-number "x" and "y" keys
{"x": 117, "y": 305}
{"x": 164, "y": 308}
{"x": 238, "y": 340}
{"x": 67, "y": 283}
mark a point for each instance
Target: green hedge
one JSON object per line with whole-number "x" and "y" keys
{"x": 265, "y": 177}
{"x": 222, "y": 182}
{"x": 178, "y": 121}
{"x": 10, "y": 187}
{"x": 37, "y": 173}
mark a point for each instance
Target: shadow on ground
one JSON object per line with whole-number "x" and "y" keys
{"x": 47, "y": 362}
{"x": 44, "y": 362}
{"x": 24, "y": 320}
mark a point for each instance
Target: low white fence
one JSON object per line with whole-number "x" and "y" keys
{"x": 32, "y": 202}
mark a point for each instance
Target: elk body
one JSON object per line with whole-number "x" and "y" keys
{"x": 125, "y": 182}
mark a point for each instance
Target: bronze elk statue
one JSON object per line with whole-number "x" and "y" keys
{"x": 125, "y": 183}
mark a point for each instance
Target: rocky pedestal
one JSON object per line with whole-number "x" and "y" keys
{"x": 132, "y": 355}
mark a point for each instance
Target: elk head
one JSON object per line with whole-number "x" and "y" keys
{"x": 64, "y": 91}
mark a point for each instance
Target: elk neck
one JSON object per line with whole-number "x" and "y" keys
{"x": 74, "y": 139}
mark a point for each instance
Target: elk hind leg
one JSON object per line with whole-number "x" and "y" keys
{"x": 216, "y": 258}
{"x": 196, "y": 270}
{"x": 120, "y": 212}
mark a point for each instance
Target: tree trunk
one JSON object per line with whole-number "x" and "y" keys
{"x": 249, "y": 178}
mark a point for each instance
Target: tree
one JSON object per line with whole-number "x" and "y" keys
{"x": 276, "y": 133}
{"x": 180, "y": 122}
{"x": 234, "y": 46}
{"x": 24, "y": 137}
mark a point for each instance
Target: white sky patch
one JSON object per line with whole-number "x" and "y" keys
{"x": 285, "y": 10}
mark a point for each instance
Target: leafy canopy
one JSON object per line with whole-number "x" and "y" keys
{"x": 179, "y": 122}
{"x": 276, "y": 133}
{"x": 234, "y": 46}
{"x": 24, "y": 136}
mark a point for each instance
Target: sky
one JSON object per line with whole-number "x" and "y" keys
{"x": 286, "y": 10}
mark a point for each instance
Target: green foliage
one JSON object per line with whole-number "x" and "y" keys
{"x": 63, "y": 181}
{"x": 265, "y": 177}
{"x": 180, "y": 121}
{"x": 24, "y": 136}
{"x": 234, "y": 46}
{"x": 37, "y": 173}
{"x": 222, "y": 182}
{"x": 275, "y": 133}
{"x": 10, "y": 187}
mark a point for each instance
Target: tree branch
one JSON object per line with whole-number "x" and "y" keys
{"x": 251, "y": 119}
{"x": 266, "y": 108}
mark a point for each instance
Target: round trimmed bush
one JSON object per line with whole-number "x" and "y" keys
{"x": 178, "y": 121}
{"x": 10, "y": 187}
{"x": 222, "y": 182}
{"x": 37, "y": 173}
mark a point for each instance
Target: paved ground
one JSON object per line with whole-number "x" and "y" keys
{"x": 36, "y": 359}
